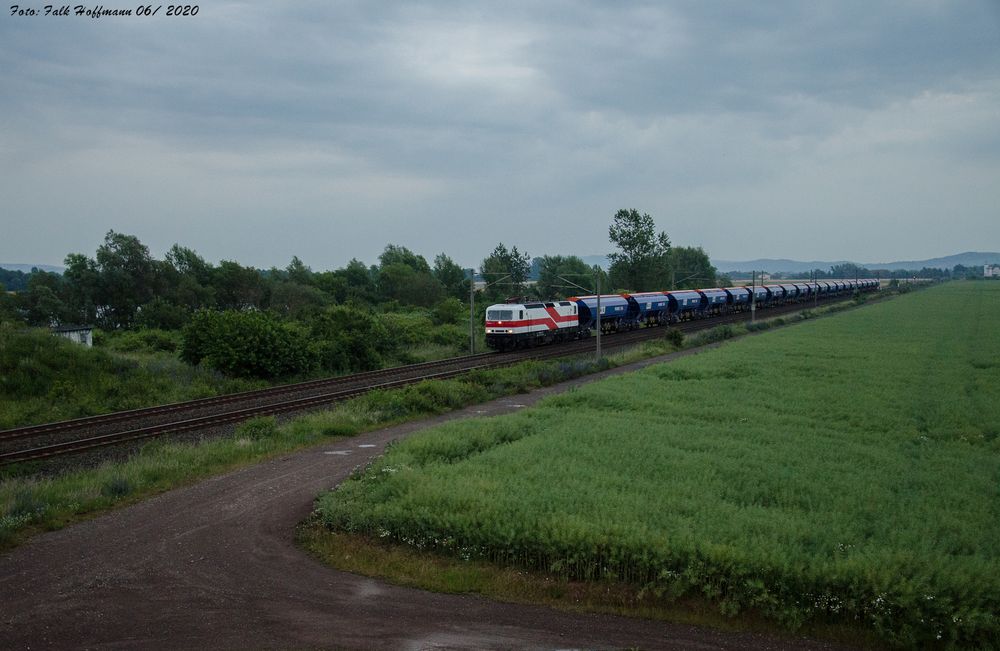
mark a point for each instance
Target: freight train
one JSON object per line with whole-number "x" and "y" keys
{"x": 520, "y": 324}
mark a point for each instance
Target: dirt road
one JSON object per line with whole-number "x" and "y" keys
{"x": 215, "y": 566}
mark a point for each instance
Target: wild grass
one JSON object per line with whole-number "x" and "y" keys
{"x": 44, "y": 378}
{"x": 845, "y": 471}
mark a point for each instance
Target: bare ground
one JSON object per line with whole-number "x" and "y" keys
{"x": 215, "y": 566}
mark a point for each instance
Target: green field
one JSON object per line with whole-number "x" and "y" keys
{"x": 844, "y": 471}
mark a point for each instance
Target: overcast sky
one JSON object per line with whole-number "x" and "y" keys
{"x": 257, "y": 131}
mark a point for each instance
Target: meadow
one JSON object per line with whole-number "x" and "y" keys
{"x": 845, "y": 471}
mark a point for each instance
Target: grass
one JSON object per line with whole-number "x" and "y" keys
{"x": 845, "y": 472}
{"x": 44, "y": 378}
{"x": 33, "y": 503}
{"x": 30, "y": 504}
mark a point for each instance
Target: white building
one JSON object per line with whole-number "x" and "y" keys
{"x": 991, "y": 270}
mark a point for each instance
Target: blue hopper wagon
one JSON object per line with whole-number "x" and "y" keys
{"x": 685, "y": 304}
{"x": 617, "y": 312}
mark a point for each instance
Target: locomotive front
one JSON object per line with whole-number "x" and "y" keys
{"x": 510, "y": 325}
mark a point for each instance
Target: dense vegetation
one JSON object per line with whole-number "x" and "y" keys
{"x": 844, "y": 471}
{"x": 294, "y": 322}
{"x": 45, "y": 378}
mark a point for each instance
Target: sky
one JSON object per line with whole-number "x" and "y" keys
{"x": 258, "y": 131}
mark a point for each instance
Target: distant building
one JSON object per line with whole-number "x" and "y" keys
{"x": 991, "y": 270}
{"x": 78, "y": 334}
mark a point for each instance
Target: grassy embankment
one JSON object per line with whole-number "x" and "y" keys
{"x": 45, "y": 378}
{"x": 29, "y": 504}
{"x": 842, "y": 473}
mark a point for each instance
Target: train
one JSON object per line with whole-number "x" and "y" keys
{"x": 517, "y": 324}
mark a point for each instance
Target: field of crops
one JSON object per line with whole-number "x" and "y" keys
{"x": 843, "y": 470}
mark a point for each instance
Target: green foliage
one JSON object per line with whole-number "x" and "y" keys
{"x": 675, "y": 337}
{"x": 247, "y": 344}
{"x": 450, "y": 310}
{"x": 349, "y": 339}
{"x": 551, "y": 270}
{"x": 453, "y": 278}
{"x": 400, "y": 282}
{"x": 642, "y": 262}
{"x": 147, "y": 341}
{"x": 393, "y": 254}
{"x": 505, "y": 262}
{"x": 162, "y": 314}
{"x": 258, "y": 428}
{"x": 691, "y": 268}
{"x": 841, "y": 471}
{"x": 296, "y": 300}
{"x": 45, "y": 378}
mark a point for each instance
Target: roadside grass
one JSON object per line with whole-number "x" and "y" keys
{"x": 845, "y": 473}
{"x": 31, "y": 503}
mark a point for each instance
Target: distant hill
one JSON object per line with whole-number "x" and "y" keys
{"x": 772, "y": 265}
{"x": 968, "y": 259}
{"x": 26, "y": 268}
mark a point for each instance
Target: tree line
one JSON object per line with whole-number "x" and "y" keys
{"x": 276, "y": 322}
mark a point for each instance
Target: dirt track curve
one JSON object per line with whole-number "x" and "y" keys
{"x": 215, "y": 566}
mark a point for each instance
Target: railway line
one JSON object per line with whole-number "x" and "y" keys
{"x": 63, "y": 438}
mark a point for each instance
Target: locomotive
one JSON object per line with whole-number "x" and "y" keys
{"x": 518, "y": 324}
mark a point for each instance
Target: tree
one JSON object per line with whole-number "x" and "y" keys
{"x": 298, "y": 272}
{"x": 238, "y": 287}
{"x": 295, "y": 299}
{"x": 360, "y": 281}
{"x": 401, "y": 255}
{"x": 505, "y": 262}
{"x": 551, "y": 267}
{"x": 692, "y": 268}
{"x": 82, "y": 281}
{"x": 127, "y": 279}
{"x": 42, "y": 302}
{"x": 454, "y": 279}
{"x": 189, "y": 263}
{"x": 642, "y": 262}
{"x": 848, "y": 270}
{"x": 400, "y": 282}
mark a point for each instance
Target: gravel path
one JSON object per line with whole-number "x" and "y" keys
{"x": 215, "y": 566}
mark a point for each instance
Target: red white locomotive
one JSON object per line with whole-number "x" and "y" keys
{"x": 509, "y": 325}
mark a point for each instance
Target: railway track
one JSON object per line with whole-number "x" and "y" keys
{"x": 82, "y": 434}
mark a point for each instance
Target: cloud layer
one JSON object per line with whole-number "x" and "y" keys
{"x": 259, "y": 131}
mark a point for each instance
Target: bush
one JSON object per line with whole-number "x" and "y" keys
{"x": 116, "y": 487}
{"x": 450, "y": 310}
{"x": 257, "y": 428}
{"x": 247, "y": 344}
{"x": 133, "y": 341}
{"x": 349, "y": 338}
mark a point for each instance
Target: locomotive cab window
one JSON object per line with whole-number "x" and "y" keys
{"x": 500, "y": 315}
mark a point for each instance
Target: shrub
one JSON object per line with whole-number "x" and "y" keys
{"x": 116, "y": 487}
{"x": 247, "y": 344}
{"x": 257, "y": 428}
{"x": 348, "y": 338}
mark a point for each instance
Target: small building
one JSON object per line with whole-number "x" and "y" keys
{"x": 991, "y": 270}
{"x": 78, "y": 334}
